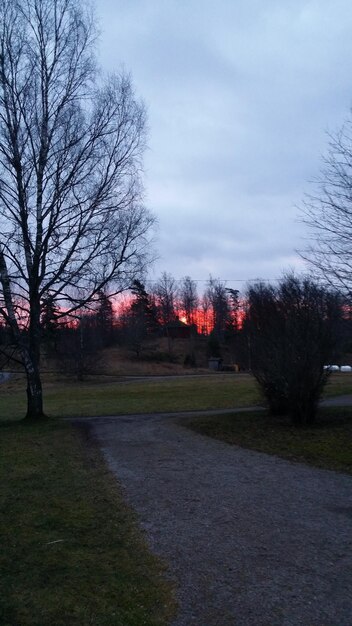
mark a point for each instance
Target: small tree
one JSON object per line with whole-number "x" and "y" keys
{"x": 293, "y": 332}
{"x": 213, "y": 346}
{"x": 78, "y": 346}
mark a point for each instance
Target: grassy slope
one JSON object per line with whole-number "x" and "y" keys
{"x": 328, "y": 444}
{"x": 71, "y": 553}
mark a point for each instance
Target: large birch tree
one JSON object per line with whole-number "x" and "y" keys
{"x": 71, "y": 214}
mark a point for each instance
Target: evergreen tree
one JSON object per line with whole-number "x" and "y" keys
{"x": 49, "y": 324}
{"x": 143, "y": 308}
{"x": 105, "y": 319}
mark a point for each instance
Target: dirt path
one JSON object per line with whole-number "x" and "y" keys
{"x": 251, "y": 540}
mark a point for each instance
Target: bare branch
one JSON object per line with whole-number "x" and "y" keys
{"x": 328, "y": 215}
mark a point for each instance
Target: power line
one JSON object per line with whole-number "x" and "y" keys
{"x": 225, "y": 280}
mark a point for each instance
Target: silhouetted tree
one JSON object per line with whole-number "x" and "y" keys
{"x": 213, "y": 346}
{"x": 205, "y": 307}
{"x": 105, "y": 319}
{"x": 49, "y": 324}
{"x": 232, "y": 324}
{"x": 140, "y": 318}
{"x": 189, "y": 299}
{"x": 218, "y": 298}
{"x": 166, "y": 292}
{"x": 78, "y": 346}
{"x": 144, "y": 307}
{"x": 293, "y": 331}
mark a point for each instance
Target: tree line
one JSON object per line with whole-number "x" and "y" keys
{"x": 144, "y": 313}
{"x": 167, "y": 300}
{"x": 284, "y": 333}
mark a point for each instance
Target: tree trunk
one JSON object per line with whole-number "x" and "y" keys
{"x": 31, "y": 359}
{"x": 34, "y": 395}
{"x": 304, "y": 413}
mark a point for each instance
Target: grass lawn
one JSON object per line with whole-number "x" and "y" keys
{"x": 328, "y": 444}
{"x": 110, "y": 398}
{"x": 71, "y": 552}
{"x": 102, "y": 397}
{"x": 339, "y": 384}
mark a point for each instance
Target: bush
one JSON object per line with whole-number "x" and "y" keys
{"x": 190, "y": 361}
{"x": 293, "y": 331}
{"x": 213, "y": 346}
{"x": 160, "y": 357}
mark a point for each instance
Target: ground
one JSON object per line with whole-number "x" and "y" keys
{"x": 251, "y": 539}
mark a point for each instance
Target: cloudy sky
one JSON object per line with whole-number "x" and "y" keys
{"x": 240, "y": 96}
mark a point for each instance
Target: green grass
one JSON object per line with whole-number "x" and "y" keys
{"x": 101, "y": 397}
{"x": 176, "y": 394}
{"x": 339, "y": 384}
{"x": 328, "y": 444}
{"x": 71, "y": 552}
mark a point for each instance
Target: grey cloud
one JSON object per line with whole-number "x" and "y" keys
{"x": 240, "y": 95}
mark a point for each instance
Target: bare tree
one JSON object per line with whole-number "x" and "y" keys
{"x": 166, "y": 293}
{"x": 189, "y": 299}
{"x": 72, "y": 219}
{"x": 233, "y": 321}
{"x": 328, "y": 214}
{"x": 205, "y": 308}
{"x": 218, "y": 297}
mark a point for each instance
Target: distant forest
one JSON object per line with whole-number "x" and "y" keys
{"x": 216, "y": 323}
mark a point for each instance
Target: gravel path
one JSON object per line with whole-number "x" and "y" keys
{"x": 251, "y": 540}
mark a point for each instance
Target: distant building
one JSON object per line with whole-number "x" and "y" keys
{"x": 177, "y": 330}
